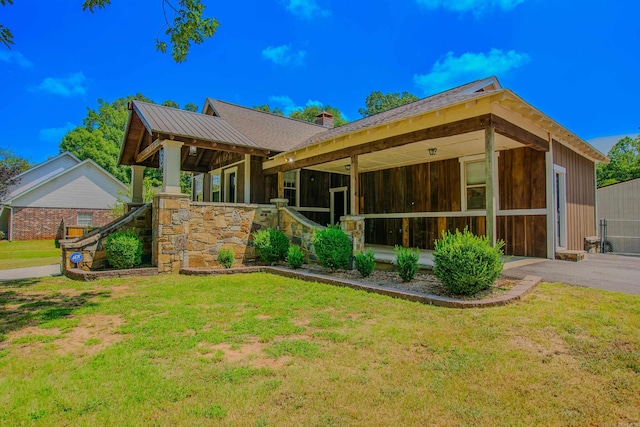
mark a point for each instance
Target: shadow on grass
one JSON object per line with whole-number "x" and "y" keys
{"x": 21, "y": 309}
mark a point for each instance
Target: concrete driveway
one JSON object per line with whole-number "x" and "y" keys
{"x": 29, "y": 272}
{"x": 600, "y": 271}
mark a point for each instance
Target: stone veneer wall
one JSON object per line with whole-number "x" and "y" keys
{"x": 299, "y": 230}
{"x": 170, "y": 231}
{"x": 92, "y": 245}
{"x": 213, "y": 226}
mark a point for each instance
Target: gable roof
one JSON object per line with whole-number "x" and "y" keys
{"x": 172, "y": 121}
{"x": 9, "y": 200}
{"x": 465, "y": 92}
{"x": 271, "y": 131}
{"x": 22, "y": 186}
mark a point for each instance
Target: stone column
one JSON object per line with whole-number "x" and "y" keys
{"x": 170, "y": 232}
{"x": 170, "y": 165}
{"x": 353, "y": 226}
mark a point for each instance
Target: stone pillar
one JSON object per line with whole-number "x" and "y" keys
{"x": 170, "y": 232}
{"x": 353, "y": 226}
{"x": 280, "y": 203}
{"x": 170, "y": 164}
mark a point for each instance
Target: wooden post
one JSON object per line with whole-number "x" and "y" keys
{"x": 405, "y": 232}
{"x": 206, "y": 187}
{"x": 355, "y": 184}
{"x": 280, "y": 185}
{"x": 551, "y": 214}
{"x": 490, "y": 168}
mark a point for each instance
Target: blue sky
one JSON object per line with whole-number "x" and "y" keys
{"x": 577, "y": 61}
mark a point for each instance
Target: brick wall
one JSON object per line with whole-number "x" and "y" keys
{"x": 44, "y": 223}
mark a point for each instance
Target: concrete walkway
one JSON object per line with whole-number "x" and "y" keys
{"x": 600, "y": 271}
{"x": 29, "y": 272}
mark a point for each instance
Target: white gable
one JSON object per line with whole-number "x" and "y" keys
{"x": 84, "y": 186}
{"x": 41, "y": 173}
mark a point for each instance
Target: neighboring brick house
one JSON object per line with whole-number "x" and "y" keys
{"x": 62, "y": 189}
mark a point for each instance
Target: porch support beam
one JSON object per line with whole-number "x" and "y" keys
{"x": 171, "y": 166}
{"x": 550, "y": 188}
{"x": 491, "y": 187}
{"x": 206, "y": 187}
{"x": 247, "y": 178}
{"x": 280, "y": 185}
{"x": 137, "y": 175}
{"x": 355, "y": 186}
{"x": 523, "y": 136}
{"x": 149, "y": 151}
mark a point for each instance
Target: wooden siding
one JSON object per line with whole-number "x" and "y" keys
{"x": 422, "y": 232}
{"x": 524, "y": 235}
{"x": 522, "y": 179}
{"x": 257, "y": 181}
{"x": 270, "y": 188}
{"x": 580, "y": 194}
{"x": 314, "y": 188}
{"x": 426, "y": 187}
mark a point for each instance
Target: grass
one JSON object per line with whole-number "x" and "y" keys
{"x": 28, "y": 253}
{"x": 260, "y": 350}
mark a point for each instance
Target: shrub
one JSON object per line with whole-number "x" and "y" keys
{"x": 365, "y": 262}
{"x": 467, "y": 264}
{"x": 406, "y": 262}
{"x": 295, "y": 257}
{"x": 333, "y": 247}
{"x": 124, "y": 250}
{"x": 226, "y": 257}
{"x": 272, "y": 245}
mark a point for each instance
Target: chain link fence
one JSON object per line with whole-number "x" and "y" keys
{"x": 620, "y": 236}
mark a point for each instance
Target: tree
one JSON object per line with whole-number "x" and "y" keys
{"x": 377, "y": 102}
{"x": 624, "y": 165}
{"x": 309, "y": 113}
{"x": 189, "y": 25}
{"x": 267, "y": 109}
{"x": 11, "y": 165}
{"x": 191, "y": 107}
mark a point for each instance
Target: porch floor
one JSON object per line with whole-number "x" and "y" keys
{"x": 384, "y": 254}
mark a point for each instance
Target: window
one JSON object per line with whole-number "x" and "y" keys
{"x": 291, "y": 187}
{"x": 475, "y": 185}
{"x": 215, "y": 187}
{"x": 85, "y": 219}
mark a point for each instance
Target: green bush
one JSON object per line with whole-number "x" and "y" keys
{"x": 406, "y": 262}
{"x": 124, "y": 250}
{"x": 295, "y": 257}
{"x": 467, "y": 264}
{"x": 365, "y": 262}
{"x": 333, "y": 247}
{"x": 226, "y": 257}
{"x": 272, "y": 245}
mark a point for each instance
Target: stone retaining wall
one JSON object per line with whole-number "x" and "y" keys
{"x": 91, "y": 245}
{"x": 213, "y": 226}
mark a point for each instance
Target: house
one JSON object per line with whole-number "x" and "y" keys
{"x": 619, "y": 214}
{"x": 61, "y": 189}
{"x": 475, "y": 156}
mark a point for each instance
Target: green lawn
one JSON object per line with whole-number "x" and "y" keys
{"x": 29, "y": 253}
{"x": 258, "y": 350}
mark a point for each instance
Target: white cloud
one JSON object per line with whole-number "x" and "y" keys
{"x": 283, "y": 55}
{"x": 305, "y": 8}
{"x": 475, "y": 6}
{"x": 55, "y": 134}
{"x": 288, "y": 105}
{"x": 17, "y": 58}
{"x": 72, "y": 85}
{"x": 452, "y": 71}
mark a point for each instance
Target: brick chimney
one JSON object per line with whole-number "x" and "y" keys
{"x": 325, "y": 119}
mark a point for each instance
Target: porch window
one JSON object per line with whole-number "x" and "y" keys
{"x": 85, "y": 219}
{"x": 476, "y": 185}
{"x": 291, "y": 187}
{"x": 215, "y": 187}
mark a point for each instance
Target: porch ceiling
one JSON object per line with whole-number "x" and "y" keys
{"x": 447, "y": 148}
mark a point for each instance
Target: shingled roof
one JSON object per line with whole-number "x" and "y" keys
{"x": 267, "y": 130}
{"x": 465, "y": 92}
{"x": 172, "y": 121}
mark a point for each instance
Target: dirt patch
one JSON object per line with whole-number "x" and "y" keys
{"x": 548, "y": 346}
{"x": 251, "y": 353}
{"x": 93, "y": 334}
{"x": 121, "y": 291}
